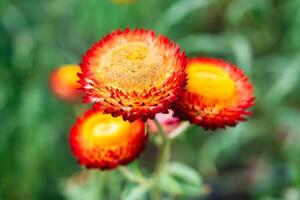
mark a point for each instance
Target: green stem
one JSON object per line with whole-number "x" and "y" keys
{"x": 159, "y": 128}
{"x": 183, "y": 127}
{"x": 96, "y": 182}
{"x": 163, "y": 159}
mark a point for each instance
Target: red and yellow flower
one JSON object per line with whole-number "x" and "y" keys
{"x": 133, "y": 73}
{"x": 101, "y": 141}
{"x": 63, "y": 83}
{"x": 217, "y": 94}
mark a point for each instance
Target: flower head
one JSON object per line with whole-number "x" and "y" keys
{"x": 101, "y": 141}
{"x": 63, "y": 83}
{"x": 217, "y": 94}
{"x": 133, "y": 73}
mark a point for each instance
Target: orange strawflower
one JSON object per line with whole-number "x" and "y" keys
{"x": 218, "y": 94}
{"x": 63, "y": 83}
{"x": 133, "y": 73}
{"x": 101, "y": 141}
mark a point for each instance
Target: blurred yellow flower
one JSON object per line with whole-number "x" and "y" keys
{"x": 63, "y": 83}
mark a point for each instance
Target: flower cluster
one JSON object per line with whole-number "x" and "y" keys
{"x": 134, "y": 76}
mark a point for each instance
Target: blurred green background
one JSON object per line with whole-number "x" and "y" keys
{"x": 259, "y": 159}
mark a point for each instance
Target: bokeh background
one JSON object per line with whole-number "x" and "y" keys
{"x": 259, "y": 159}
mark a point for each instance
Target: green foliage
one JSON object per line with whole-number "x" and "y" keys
{"x": 258, "y": 159}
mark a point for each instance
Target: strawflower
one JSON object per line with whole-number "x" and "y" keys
{"x": 217, "y": 94}
{"x": 133, "y": 73}
{"x": 101, "y": 141}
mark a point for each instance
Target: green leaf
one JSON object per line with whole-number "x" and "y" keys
{"x": 177, "y": 12}
{"x": 237, "y": 10}
{"x": 136, "y": 193}
{"x": 186, "y": 173}
{"x": 207, "y": 43}
{"x": 190, "y": 190}
{"x": 285, "y": 84}
{"x": 170, "y": 185}
{"x": 242, "y": 51}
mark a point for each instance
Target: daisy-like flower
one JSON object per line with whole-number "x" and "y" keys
{"x": 217, "y": 94}
{"x": 63, "y": 83}
{"x": 101, "y": 141}
{"x": 133, "y": 73}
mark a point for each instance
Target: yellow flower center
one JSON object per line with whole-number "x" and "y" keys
{"x": 210, "y": 82}
{"x": 103, "y": 129}
{"x": 132, "y": 66}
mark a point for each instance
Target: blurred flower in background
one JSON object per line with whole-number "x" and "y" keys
{"x": 63, "y": 83}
